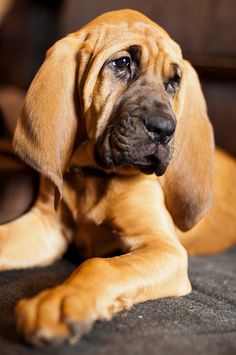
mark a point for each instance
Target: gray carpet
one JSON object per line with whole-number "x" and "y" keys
{"x": 203, "y": 322}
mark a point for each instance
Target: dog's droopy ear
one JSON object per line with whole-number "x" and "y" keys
{"x": 188, "y": 180}
{"x": 46, "y": 129}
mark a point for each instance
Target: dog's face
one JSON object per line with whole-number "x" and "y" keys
{"x": 139, "y": 130}
{"x": 131, "y": 118}
{"x": 118, "y": 95}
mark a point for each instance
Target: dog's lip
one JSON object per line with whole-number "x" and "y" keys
{"x": 154, "y": 162}
{"x": 151, "y": 169}
{"x": 151, "y": 165}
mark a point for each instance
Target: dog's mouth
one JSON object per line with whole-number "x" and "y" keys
{"x": 151, "y": 165}
{"x": 148, "y": 157}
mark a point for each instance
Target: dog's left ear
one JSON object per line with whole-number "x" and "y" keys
{"x": 187, "y": 183}
{"x": 46, "y": 129}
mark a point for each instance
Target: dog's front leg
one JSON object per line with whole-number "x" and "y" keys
{"x": 37, "y": 238}
{"x": 155, "y": 266}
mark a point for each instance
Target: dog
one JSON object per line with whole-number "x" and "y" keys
{"x": 116, "y": 124}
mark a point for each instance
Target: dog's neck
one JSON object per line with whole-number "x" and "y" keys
{"x": 92, "y": 171}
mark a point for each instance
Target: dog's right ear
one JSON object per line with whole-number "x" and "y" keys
{"x": 46, "y": 129}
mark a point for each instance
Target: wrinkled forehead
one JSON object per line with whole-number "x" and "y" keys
{"x": 115, "y": 31}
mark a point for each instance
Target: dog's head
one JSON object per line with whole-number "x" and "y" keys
{"x": 119, "y": 96}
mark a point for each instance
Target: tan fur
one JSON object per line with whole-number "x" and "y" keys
{"x": 68, "y": 105}
{"x": 217, "y": 231}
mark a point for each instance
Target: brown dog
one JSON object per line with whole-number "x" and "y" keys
{"x": 117, "y": 114}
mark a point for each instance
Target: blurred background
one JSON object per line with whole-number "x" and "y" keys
{"x": 205, "y": 29}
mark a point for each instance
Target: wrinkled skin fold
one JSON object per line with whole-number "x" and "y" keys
{"x": 116, "y": 123}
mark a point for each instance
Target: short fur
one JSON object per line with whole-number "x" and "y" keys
{"x": 76, "y": 107}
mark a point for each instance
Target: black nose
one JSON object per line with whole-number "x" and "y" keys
{"x": 161, "y": 129}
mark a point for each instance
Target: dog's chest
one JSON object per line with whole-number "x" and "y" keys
{"x": 87, "y": 200}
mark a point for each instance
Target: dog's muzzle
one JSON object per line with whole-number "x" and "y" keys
{"x": 140, "y": 137}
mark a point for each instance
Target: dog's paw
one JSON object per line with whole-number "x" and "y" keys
{"x": 62, "y": 314}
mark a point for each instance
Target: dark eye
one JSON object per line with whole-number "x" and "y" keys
{"x": 173, "y": 84}
{"x": 122, "y": 63}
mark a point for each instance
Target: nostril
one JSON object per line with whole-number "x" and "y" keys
{"x": 161, "y": 129}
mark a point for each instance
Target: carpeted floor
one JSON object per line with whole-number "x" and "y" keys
{"x": 203, "y": 322}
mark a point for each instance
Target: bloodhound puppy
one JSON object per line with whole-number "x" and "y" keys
{"x": 116, "y": 124}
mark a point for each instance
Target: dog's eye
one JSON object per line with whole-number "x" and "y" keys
{"x": 121, "y": 63}
{"x": 173, "y": 84}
